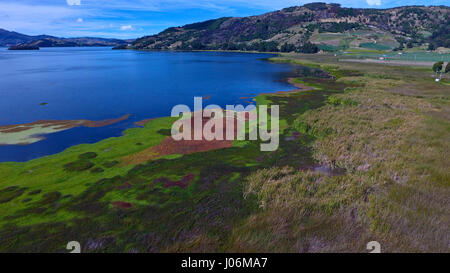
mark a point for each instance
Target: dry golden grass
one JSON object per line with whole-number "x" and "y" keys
{"x": 394, "y": 146}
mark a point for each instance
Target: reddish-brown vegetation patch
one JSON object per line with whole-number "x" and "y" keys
{"x": 125, "y": 185}
{"x": 121, "y": 204}
{"x": 60, "y": 124}
{"x": 170, "y": 146}
{"x": 102, "y": 123}
{"x": 143, "y": 122}
{"x": 182, "y": 183}
{"x": 295, "y": 135}
{"x": 300, "y": 87}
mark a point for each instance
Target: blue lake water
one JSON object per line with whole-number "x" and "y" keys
{"x": 100, "y": 83}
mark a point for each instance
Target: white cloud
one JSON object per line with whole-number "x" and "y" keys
{"x": 36, "y": 19}
{"x": 373, "y": 2}
{"x": 73, "y": 2}
{"x": 80, "y": 20}
{"x": 127, "y": 27}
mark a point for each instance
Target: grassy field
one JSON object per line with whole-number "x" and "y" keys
{"x": 393, "y": 145}
{"x": 358, "y": 39}
{"x": 405, "y": 56}
{"x": 362, "y": 157}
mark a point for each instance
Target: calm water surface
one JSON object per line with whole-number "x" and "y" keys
{"x": 100, "y": 83}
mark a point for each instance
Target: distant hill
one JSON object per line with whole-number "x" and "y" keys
{"x": 72, "y": 42}
{"x": 17, "y": 40}
{"x": 11, "y": 38}
{"x": 311, "y": 27}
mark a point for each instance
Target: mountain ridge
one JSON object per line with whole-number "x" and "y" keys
{"x": 317, "y": 24}
{"x": 12, "y": 38}
{"x": 18, "y": 40}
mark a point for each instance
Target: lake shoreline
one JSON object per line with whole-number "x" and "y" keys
{"x": 53, "y": 128}
{"x": 28, "y": 133}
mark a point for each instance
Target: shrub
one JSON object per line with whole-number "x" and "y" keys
{"x": 165, "y": 132}
{"x": 79, "y": 165}
{"x": 10, "y": 193}
{"x": 88, "y": 155}
{"x": 34, "y": 192}
{"x": 309, "y": 48}
{"x": 333, "y": 100}
{"x": 264, "y": 46}
{"x": 97, "y": 170}
{"x": 288, "y": 48}
{"x": 438, "y": 66}
{"x": 109, "y": 164}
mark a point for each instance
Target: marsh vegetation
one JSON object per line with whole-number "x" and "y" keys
{"x": 386, "y": 130}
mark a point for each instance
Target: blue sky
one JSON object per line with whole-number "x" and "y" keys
{"x": 136, "y": 18}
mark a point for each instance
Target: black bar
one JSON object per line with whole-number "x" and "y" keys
{"x": 224, "y": 262}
